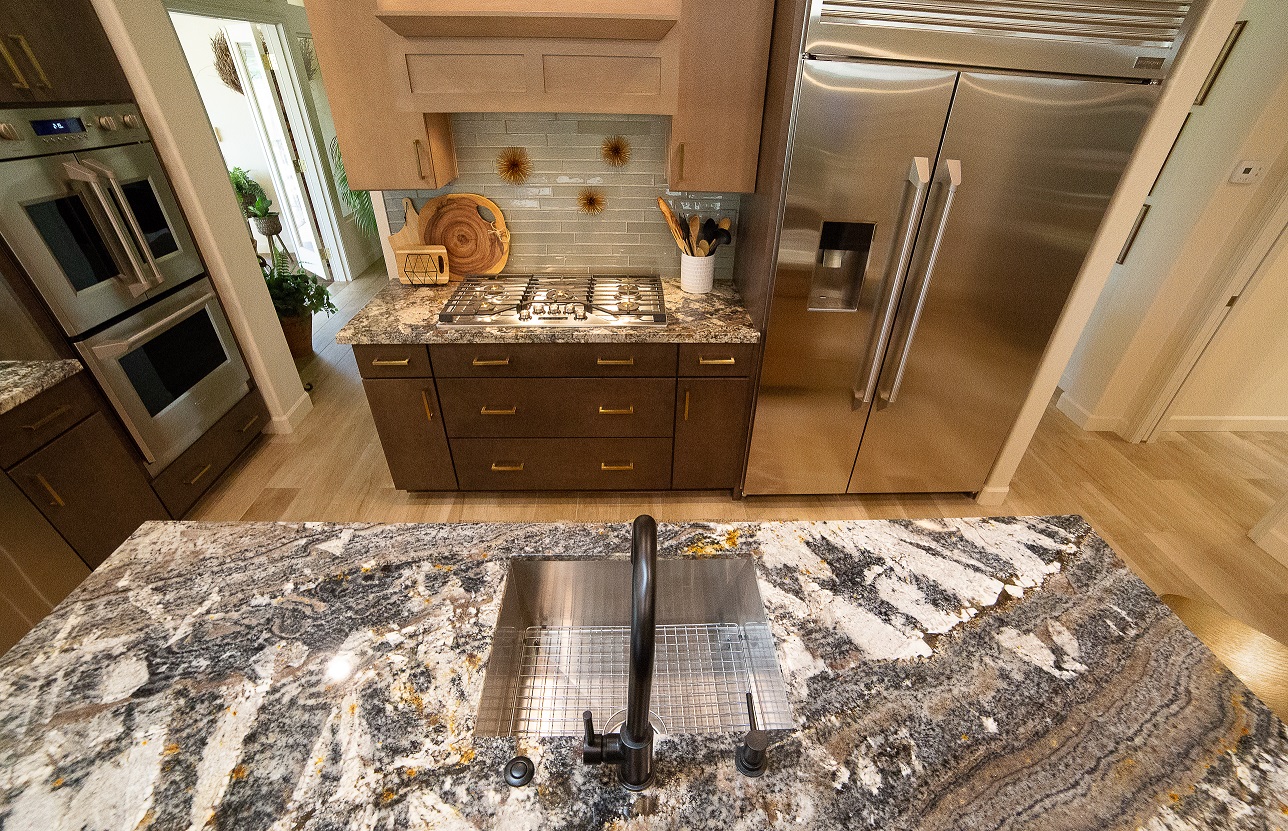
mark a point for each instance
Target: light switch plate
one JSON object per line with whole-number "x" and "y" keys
{"x": 1247, "y": 172}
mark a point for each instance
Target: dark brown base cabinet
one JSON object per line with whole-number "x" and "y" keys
{"x": 560, "y": 416}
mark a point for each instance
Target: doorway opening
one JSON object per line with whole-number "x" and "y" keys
{"x": 271, "y": 122}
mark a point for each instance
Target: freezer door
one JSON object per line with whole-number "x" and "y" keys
{"x": 862, "y": 151}
{"x": 1034, "y": 162}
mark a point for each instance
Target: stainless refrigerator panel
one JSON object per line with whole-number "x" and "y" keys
{"x": 1038, "y": 160}
{"x": 863, "y": 135}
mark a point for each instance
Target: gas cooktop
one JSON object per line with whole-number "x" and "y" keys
{"x": 557, "y": 300}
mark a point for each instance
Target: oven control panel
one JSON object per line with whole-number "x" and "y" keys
{"x": 41, "y": 131}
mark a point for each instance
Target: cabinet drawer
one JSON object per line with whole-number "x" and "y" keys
{"x": 727, "y": 359}
{"x": 407, "y": 361}
{"x": 534, "y": 360}
{"x": 182, "y": 483}
{"x": 33, "y": 424}
{"x": 554, "y": 407}
{"x": 562, "y": 464}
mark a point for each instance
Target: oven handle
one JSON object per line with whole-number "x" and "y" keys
{"x": 78, "y": 173}
{"x": 130, "y": 218}
{"x": 112, "y": 350}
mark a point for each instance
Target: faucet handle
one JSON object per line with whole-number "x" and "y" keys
{"x": 592, "y": 749}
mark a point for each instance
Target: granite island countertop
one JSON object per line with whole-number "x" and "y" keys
{"x": 401, "y": 314}
{"x": 948, "y": 674}
{"x": 21, "y": 381}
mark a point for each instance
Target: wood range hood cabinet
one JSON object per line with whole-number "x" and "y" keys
{"x": 395, "y": 69}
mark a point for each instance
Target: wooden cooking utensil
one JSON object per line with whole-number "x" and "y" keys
{"x": 673, "y": 224}
{"x": 725, "y": 223}
{"x": 695, "y": 223}
{"x": 703, "y": 248}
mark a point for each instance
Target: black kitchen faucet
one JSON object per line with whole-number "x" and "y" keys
{"x": 631, "y": 748}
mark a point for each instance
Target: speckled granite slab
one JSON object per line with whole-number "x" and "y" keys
{"x": 950, "y": 674}
{"x": 21, "y": 381}
{"x": 409, "y": 314}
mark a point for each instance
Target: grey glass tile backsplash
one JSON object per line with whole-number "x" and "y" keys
{"x": 547, "y": 232}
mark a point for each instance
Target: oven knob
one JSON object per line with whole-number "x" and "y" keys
{"x": 107, "y": 122}
{"x": 8, "y": 132}
{"x": 539, "y": 308}
{"x": 525, "y": 313}
{"x": 131, "y": 121}
{"x": 579, "y": 311}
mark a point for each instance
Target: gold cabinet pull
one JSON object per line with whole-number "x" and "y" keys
{"x": 686, "y": 405}
{"x": 31, "y": 56}
{"x": 19, "y": 80}
{"x": 48, "y": 417}
{"x": 194, "y": 480}
{"x": 420, "y": 171}
{"x": 58, "y": 500}
{"x": 615, "y": 361}
{"x": 498, "y": 410}
{"x": 507, "y": 467}
{"x": 679, "y": 162}
{"x": 424, "y": 397}
{"x": 490, "y": 362}
{"x": 611, "y": 411}
{"x": 616, "y": 465}
{"x": 390, "y": 362}
{"x": 249, "y": 424}
{"x": 716, "y": 361}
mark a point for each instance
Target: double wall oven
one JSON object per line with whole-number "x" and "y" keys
{"x": 87, "y": 209}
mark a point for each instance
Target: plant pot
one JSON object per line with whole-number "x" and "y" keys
{"x": 299, "y": 334}
{"x": 269, "y": 226}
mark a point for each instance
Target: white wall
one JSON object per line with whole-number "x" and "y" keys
{"x": 1195, "y": 221}
{"x": 1241, "y": 382}
{"x": 146, "y": 44}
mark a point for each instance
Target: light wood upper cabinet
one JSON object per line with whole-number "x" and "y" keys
{"x": 384, "y": 148}
{"x": 387, "y": 62}
{"x": 715, "y": 131}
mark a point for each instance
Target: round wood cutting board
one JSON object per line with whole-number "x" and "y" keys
{"x": 474, "y": 245}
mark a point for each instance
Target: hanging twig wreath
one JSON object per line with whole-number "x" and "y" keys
{"x": 224, "y": 63}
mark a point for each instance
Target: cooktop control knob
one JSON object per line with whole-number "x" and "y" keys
{"x": 579, "y": 311}
{"x": 131, "y": 121}
{"x": 107, "y": 122}
{"x": 525, "y": 313}
{"x": 8, "y": 132}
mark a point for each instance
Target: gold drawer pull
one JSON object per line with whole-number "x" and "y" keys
{"x": 19, "y": 81}
{"x": 716, "y": 361}
{"x": 424, "y": 397}
{"x": 31, "y": 56}
{"x": 249, "y": 424}
{"x": 615, "y": 361}
{"x": 194, "y": 480}
{"x": 507, "y": 467}
{"x": 41, "y": 422}
{"x": 686, "y": 405}
{"x": 58, "y": 500}
{"x": 609, "y": 411}
{"x": 491, "y": 362}
{"x": 391, "y": 362}
{"x": 498, "y": 410}
{"x": 616, "y": 465}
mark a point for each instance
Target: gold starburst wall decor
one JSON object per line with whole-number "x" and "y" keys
{"x": 616, "y": 151}
{"x": 514, "y": 165}
{"x": 591, "y": 201}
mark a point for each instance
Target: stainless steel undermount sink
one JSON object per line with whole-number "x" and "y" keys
{"x": 562, "y": 645}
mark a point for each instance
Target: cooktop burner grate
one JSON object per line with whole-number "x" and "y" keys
{"x": 557, "y": 300}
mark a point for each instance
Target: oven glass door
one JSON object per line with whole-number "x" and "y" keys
{"x": 137, "y": 185}
{"x": 69, "y": 241}
{"x": 171, "y": 371}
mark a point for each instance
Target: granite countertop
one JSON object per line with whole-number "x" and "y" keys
{"x": 409, "y": 314}
{"x": 21, "y": 381}
{"x": 1004, "y": 673}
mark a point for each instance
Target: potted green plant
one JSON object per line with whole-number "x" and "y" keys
{"x": 267, "y": 222}
{"x": 246, "y": 188}
{"x": 297, "y": 296}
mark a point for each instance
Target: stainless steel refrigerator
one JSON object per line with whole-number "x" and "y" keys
{"x": 933, "y": 218}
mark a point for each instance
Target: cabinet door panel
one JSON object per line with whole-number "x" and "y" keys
{"x": 62, "y": 51}
{"x": 710, "y": 432}
{"x": 89, "y": 488}
{"x": 411, "y": 432}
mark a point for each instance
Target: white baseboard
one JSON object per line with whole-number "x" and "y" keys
{"x": 292, "y": 418}
{"x": 992, "y": 496}
{"x": 1084, "y": 418}
{"x": 1264, "y": 424}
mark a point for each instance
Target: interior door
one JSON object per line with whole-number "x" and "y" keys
{"x": 1034, "y": 162}
{"x": 863, "y": 146}
{"x": 68, "y": 236}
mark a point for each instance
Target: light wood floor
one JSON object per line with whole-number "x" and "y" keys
{"x": 1177, "y": 510}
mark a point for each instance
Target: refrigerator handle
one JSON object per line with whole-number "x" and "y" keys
{"x": 953, "y": 167}
{"x": 919, "y": 177}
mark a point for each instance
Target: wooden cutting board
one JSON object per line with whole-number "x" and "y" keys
{"x": 474, "y": 245}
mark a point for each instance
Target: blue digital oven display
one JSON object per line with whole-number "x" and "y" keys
{"x": 57, "y": 126}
